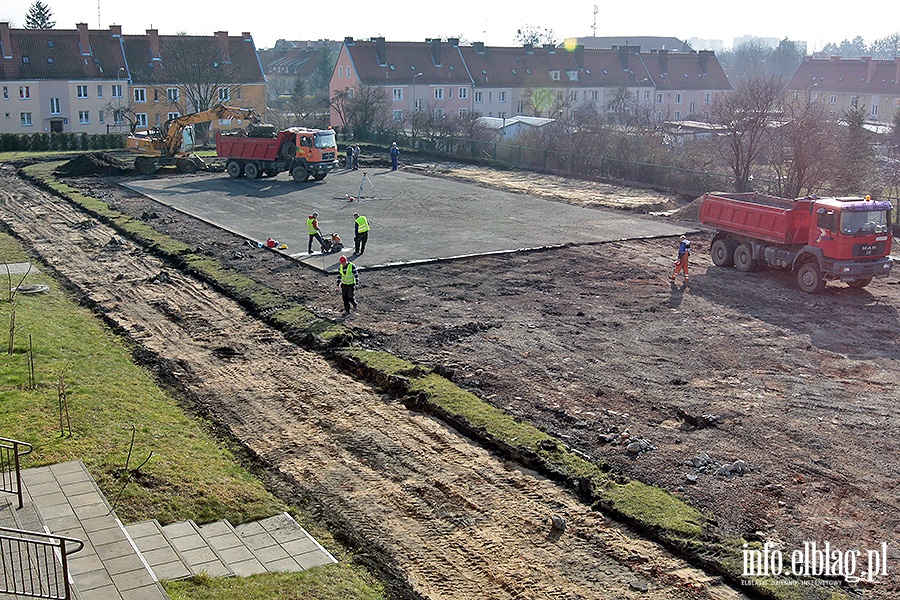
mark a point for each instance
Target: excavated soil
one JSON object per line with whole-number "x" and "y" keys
{"x": 586, "y": 342}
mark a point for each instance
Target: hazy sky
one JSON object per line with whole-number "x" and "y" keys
{"x": 493, "y": 22}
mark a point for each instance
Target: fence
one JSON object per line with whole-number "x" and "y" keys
{"x": 10, "y": 471}
{"x": 36, "y": 565}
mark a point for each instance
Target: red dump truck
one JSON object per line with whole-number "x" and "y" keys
{"x": 260, "y": 150}
{"x": 820, "y": 239}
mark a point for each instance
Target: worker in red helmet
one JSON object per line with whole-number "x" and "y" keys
{"x": 348, "y": 278}
{"x": 684, "y": 253}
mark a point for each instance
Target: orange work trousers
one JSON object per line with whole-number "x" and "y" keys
{"x": 681, "y": 265}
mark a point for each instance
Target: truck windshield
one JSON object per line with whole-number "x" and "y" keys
{"x": 859, "y": 222}
{"x": 325, "y": 140}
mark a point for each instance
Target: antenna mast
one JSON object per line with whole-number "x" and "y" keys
{"x": 595, "y": 20}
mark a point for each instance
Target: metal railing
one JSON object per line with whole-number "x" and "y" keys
{"x": 35, "y": 565}
{"x": 10, "y": 471}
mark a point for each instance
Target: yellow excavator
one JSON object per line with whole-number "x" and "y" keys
{"x": 173, "y": 142}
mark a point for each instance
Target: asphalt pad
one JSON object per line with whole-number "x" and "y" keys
{"x": 413, "y": 218}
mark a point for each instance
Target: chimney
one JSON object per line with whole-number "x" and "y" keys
{"x": 703, "y": 59}
{"x": 115, "y": 30}
{"x": 5, "y": 40}
{"x": 83, "y": 40}
{"x": 870, "y": 68}
{"x": 153, "y": 36}
{"x": 623, "y": 56}
{"x": 223, "y": 46}
{"x": 578, "y": 55}
{"x": 245, "y": 35}
{"x": 453, "y": 42}
{"x": 436, "y": 51}
{"x": 349, "y": 41}
{"x": 529, "y": 49}
{"x": 380, "y": 50}
{"x": 663, "y": 61}
{"x": 550, "y": 48}
{"x": 479, "y": 47}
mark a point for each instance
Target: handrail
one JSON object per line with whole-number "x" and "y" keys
{"x": 29, "y": 563}
{"x": 9, "y": 463}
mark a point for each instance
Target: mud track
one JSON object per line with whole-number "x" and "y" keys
{"x": 439, "y": 515}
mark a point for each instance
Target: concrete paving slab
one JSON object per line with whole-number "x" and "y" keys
{"x": 18, "y": 268}
{"x": 408, "y": 224}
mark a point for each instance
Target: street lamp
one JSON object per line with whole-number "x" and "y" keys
{"x": 414, "y": 90}
{"x": 118, "y": 118}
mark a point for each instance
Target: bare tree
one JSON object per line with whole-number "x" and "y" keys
{"x": 363, "y": 109}
{"x": 803, "y": 147}
{"x": 854, "y": 171}
{"x": 745, "y": 116}
{"x": 536, "y": 36}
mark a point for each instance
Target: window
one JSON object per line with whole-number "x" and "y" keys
{"x": 398, "y": 95}
{"x": 84, "y": 117}
{"x": 896, "y": 102}
{"x": 874, "y": 112}
{"x": 854, "y": 100}
{"x": 140, "y": 95}
{"x": 173, "y": 94}
{"x": 573, "y": 95}
{"x": 117, "y": 117}
{"x": 418, "y": 106}
{"x": 49, "y": 43}
{"x": 155, "y": 95}
{"x": 659, "y": 98}
{"x": 237, "y": 91}
{"x": 172, "y": 115}
{"x": 398, "y": 116}
{"x": 439, "y": 113}
{"x": 99, "y": 91}
{"x": 677, "y": 115}
{"x": 520, "y": 107}
{"x": 479, "y": 96}
{"x": 438, "y": 93}
{"x": 26, "y": 60}
{"x": 595, "y": 95}
{"x": 82, "y": 91}
{"x": 54, "y": 106}
{"x": 26, "y": 119}
{"x": 49, "y": 61}
{"x": 341, "y": 72}
{"x": 647, "y": 95}
{"x": 450, "y": 93}
{"x": 224, "y": 94}
{"x": 117, "y": 90}
{"x": 692, "y": 107}
{"x": 554, "y": 75}
{"x": 5, "y": 93}
{"x": 707, "y": 98}
{"x": 463, "y": 93}
{"x": 677, "y": 98}
{"x": 502, "y": 114}
{"x": 101, "y": 118}
{"x": 24, "y": 93}
{"x": 463, "y": 111}
{"x": 572, "y": 75}
{"x": 141, "y": 119}
{"x": 501, "y": 96}
{"x": 350, "y": 93}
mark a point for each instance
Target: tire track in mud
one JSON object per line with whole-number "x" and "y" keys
{"x": 457, "y": 521}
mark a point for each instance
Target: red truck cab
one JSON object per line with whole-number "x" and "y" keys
{"x": 820, "y": 239}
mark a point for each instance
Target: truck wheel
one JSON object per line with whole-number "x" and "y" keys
{"x": 810, "y": 279}
{"x": 144, "y": 165}
{"x": 271, "y": 172}
{"x": 234, "y": 169}
{"x": 186, "y": 165}
{"x": 300, "y": 174}
{"x": 319, "y": 176}
{"x": 860, "y": 283}
{"x": 722, "y": 252}
{"x": 743, "y": 259}
{"x": 252, "y": 171}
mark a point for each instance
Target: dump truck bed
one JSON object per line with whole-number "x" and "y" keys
{"x": 760, "y": 216}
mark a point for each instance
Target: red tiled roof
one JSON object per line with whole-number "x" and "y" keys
{"x": 522, "y": 66}
{"x": 402, "y": 60}
{"x": 146, "y": 69}
{"x": 854, "y": 75}
{"x": 686, "y": 71}
{"x": 57, "y": 54}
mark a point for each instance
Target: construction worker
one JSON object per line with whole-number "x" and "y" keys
{"x": 360, "y": 233}
{"x": 348, "y": 277}
{"x": 684, "y": 253}
{"x": 395, "y": 156}
{"x": 312, "y": 228}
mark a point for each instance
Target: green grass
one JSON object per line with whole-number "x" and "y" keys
{"x": 189, "y": 473}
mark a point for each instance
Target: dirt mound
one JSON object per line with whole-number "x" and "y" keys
{"x": 691, "y": 212}
{"x": 93, "y": 163}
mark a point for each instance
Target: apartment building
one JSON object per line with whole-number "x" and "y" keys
{"x": 842, "y": 84}
{"x": 82, "y": 80}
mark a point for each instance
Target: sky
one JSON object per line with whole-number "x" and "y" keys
{"x": 493, "y": 22}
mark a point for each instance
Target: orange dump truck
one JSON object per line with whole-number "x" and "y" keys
{"x": 260, "y": 150}
{"x": 820, "y": 239}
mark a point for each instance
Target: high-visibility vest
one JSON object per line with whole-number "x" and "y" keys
{"x": 362, "y": 224}
{"x": 311, "y": 226}
{"x": 347, "y": 276}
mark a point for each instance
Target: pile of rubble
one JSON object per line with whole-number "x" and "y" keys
{"x": 93, "y": 163}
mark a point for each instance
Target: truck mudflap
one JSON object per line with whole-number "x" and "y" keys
{"x": 851, "y": 270}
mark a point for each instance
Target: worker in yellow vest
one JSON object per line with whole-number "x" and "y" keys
{"x": 312, "y": 228}
{"x": 361, "y": 233}
{"x": 348, "y": 278}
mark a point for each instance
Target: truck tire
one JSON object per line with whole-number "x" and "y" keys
{"x": 252, "y": 171}
{"x": 145, "y": 165}
{"x": 299, "y": 173}
{"x": 186, "y": 165}
{"x": 319, "y": 176}
{"x": 722, "y": 251}
{"x": 271, "y": 172}
{"x": 810, "y": 279}
{"x": 743, "y": 259}
{"x": 234, "y": 169}
{"x": 860, "y": 283}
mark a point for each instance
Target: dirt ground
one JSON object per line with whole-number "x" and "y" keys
{"x": 587, "y": 342}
